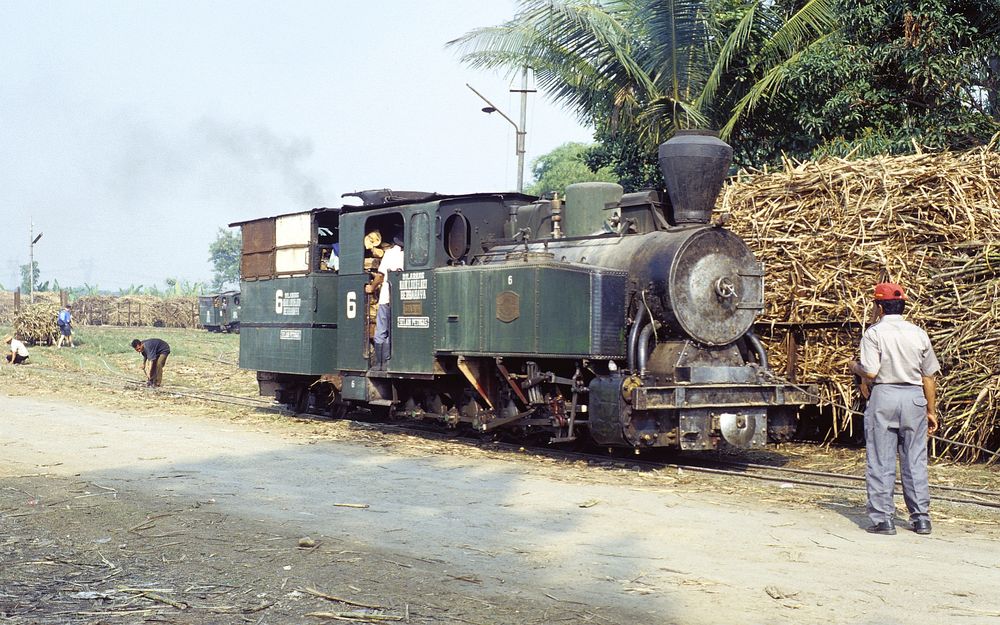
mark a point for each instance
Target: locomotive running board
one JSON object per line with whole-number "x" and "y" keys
{"x": 719, "y": 395}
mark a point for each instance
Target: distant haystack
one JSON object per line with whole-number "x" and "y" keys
{"x": 7, "y": 299}
{"x": 35, "y": 324}
{"x": 137, "y": 310}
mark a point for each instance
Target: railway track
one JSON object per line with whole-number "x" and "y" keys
{"x": 701, "y": 464}
{"x": 746, "y": 470}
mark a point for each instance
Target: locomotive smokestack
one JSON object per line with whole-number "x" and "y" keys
{"x": 694, "y": 165}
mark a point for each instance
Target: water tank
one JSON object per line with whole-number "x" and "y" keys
{"x": 587, "y": 207}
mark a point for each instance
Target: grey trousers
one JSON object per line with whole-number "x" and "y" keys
{"x": 383, "y": 321}
{"x": 896, "y": 421}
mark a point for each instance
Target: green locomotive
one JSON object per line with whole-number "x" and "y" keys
{"x": 625, "y": 318}
{"x": 220, "y": 312}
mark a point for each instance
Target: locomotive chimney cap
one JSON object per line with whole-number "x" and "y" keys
{"x": 694, "y": 164}
{"x": 696, "y": 132}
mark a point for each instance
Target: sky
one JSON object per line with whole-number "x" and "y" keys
{"x": 131, "y": 131}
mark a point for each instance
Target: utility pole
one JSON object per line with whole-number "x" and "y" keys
{"x": 524, "y": 128}
{"x": 31, "y": 260}
{"x": 519, "y": 129}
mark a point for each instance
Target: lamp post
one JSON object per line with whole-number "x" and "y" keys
{"x": 31, "y": 261}
{"x": 519, "y": 129}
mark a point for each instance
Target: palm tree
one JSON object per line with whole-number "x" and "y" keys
{"x": 654, "y": 66}
{"x": 132, "y": 289}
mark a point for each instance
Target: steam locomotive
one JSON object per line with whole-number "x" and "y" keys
{"x": 623, "y": 318}
{"x": 220, "y": 312}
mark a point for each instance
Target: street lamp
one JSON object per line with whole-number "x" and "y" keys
{"x": 519, "y": 129}
{"x": 31, "y": 261}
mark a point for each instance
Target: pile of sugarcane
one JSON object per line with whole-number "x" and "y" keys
{"x": 828, "y": 231}
{"x": 35, "y": 324}
{"x": 6, "y": 307}
{"x": 137, "y": 310}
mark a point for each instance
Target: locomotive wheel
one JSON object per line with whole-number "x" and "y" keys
{"x": 339, "y": 410}
{"x": 301, "y": 399}
{"x": 382, "y": 413}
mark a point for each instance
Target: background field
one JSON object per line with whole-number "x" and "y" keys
{"x": 103, "y": 369}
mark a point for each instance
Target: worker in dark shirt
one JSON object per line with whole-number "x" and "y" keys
{"x": 155, "y": 352}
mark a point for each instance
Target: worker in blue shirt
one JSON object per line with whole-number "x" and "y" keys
{"x": 65, "y": 323}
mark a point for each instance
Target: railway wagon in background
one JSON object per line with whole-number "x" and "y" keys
{"x": 622, "y": 318}
{"x": 220, "y": 312}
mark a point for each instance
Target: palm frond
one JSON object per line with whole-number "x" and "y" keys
{"x": 677, "y": 114}
{"x": 650, "y": 65}
{"x": 767, "y": 86}
{"x": 580, "y": 52}
{"x": 734, "y": 44}
{"x": 815, "y": 19}
{"x": 677, "y": 32}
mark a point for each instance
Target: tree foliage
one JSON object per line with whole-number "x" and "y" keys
{"x": 637, "y": 70}
{"x": 86, "y": 289}
{"x": 32, "y": 277}
{"x": 564, "y": 166}
{"x": 132, "y": 289}
{"x": 902, "y": 73}
{"x": 183, "y": 288}
{"x": 224, "y": 254}
{"x": 777, "y": 77}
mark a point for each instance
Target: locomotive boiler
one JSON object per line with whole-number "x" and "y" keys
{"x": 623, "y": 318}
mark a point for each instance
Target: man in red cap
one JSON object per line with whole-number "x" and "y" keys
{"x": 897, "y": 360}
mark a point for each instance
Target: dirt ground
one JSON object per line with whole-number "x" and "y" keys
{"x": 157, "y": 517}
{"x": 119, "y": 505}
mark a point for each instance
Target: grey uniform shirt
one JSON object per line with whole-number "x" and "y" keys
{"x": 898, "y": 352}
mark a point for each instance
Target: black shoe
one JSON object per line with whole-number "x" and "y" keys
{"x": 922, "y": 526}
{"x": 885, "y": 527}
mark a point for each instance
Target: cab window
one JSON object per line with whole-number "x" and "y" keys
{"x": 420, "y": 235}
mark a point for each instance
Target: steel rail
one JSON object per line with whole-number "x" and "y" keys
{"x": 859, "y": 478}
{"x": 177, "y": 390}
{"x": 699, "y": 468}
